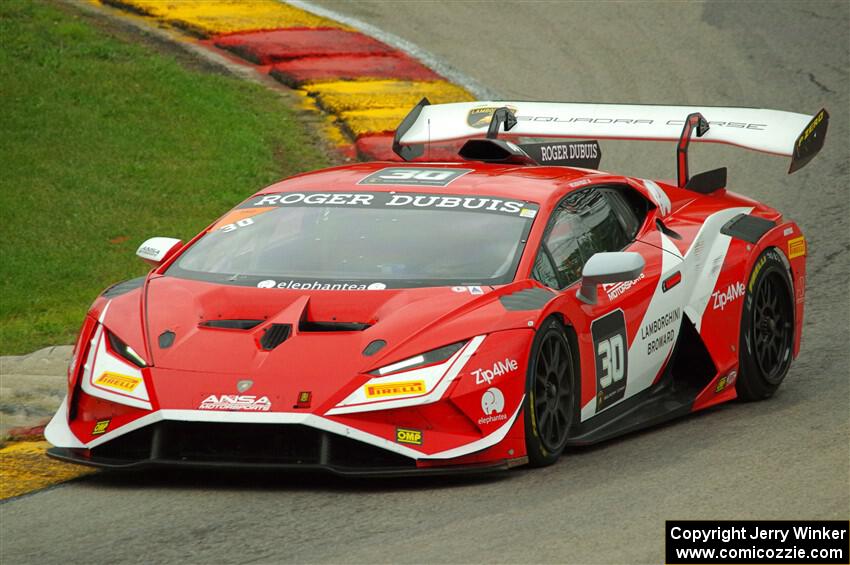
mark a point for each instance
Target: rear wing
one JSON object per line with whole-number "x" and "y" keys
{"x": 798, "y": 136}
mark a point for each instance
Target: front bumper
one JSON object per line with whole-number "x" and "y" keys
{"x": 290, "y": 447}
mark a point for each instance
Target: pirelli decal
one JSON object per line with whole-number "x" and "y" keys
{"x": 403, "y": 388}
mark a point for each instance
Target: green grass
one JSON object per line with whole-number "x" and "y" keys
{"x": 105, "y": 142}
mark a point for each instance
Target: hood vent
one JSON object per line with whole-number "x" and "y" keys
{"x": 307, "y": 326}
{"x": 274, "y": 336}
{"x": 232, "y": 324}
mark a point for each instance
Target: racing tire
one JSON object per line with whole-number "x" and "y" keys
{"x": 549, "y": 392}
{"x": 767, "y": 329}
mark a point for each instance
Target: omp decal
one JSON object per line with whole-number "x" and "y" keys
{"x": 236, "y": 402}
{"x": 100, "y": 427}
{"x": 394, "y": 389}
{"x": 499, "y": 368}
{"x": 407, "y": 435}
{"x": 720, "y": 299}
{"x": 611, "y": 358}
{"x": 414, "y": 176}
{"x": 124, "y": 383}
{"x": 796, "y": 247}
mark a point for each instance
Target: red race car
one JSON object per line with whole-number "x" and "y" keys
{"x": 432, "y": 317}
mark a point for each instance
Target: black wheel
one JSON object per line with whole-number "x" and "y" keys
{"x": 549, "y": 390}
{"x": 767, "y": 329}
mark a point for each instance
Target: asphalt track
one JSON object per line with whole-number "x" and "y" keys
{"x": 785, "y": 458}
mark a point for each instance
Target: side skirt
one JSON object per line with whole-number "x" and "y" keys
{"x": 689, "y": 370}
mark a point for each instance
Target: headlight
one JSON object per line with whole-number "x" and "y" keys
{"x": 124, "y": 350}
{"x": 421, "y": 379}
{"x": 434, "y": 356}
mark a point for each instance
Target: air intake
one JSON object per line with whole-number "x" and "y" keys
{"x": 307, "y": 326}
{"x": 232, "y": 324}
{"x": 274, "y": 336}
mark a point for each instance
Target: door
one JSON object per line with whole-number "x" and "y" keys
{"x": 628, "y": 335}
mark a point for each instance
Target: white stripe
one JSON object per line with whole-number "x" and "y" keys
{"x": 480, "y": 444}
{"x": 59, "y": 434}
{"x": 454, "y": 367}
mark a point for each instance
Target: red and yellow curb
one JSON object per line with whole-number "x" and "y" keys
{"x": 24, "y": 468}
{"x": 363, "y": 86}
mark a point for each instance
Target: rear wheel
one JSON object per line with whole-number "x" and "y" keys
{"x": 767, "y": 329}
{"x": 550, "y": 386}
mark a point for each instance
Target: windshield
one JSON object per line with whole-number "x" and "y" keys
{"x": 362, "y": 240}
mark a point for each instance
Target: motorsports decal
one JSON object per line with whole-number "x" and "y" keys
{"x": 396, "y": 200}
{"x": 612, "y": 359}
{"x": 414, "y": 176}
{"x": 236, "y": 402}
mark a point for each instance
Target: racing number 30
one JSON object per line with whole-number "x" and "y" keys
{"x": 612, "y": 360}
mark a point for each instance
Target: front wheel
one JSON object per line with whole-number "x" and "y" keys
{"x": 767, "y": 329}
{"x": 549, "y": 390}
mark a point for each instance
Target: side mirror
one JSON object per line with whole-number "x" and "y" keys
{"x": 157, "y": 249}
{"x": 608, "y": 268}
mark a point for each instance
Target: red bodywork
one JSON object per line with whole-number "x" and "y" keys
{"x": 311, "y": 373}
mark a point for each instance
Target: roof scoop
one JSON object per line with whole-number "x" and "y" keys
{"x": 494, "y": 151}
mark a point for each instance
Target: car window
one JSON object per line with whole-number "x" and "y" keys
{"x": 601, "y": 230}
{"x": 624, "y": 211}
{"x": 585, "y": 223}
{"x": 356, "y": 240}
{"x": 562, "y": 243}
{"x": 544, "y": 271}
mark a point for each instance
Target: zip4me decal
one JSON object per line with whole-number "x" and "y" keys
{"x": 499, "y": 368}
{"x": 720, "y": 299}
{"x": 612, "y": 360}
